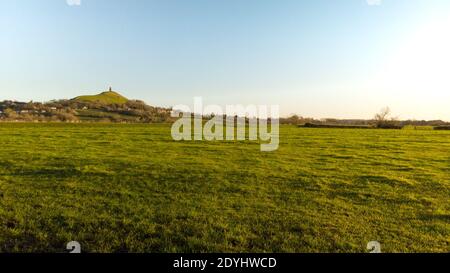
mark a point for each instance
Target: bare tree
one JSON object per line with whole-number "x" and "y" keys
{"x": 383, "y": 115}
{"x": 10, "y": 114}
{"x": 384, "y": 120}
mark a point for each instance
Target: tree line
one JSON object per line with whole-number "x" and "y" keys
{"x": 382, "y": 119}
{"x": 133, "y": 111}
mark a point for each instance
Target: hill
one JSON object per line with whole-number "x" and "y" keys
{"x": 108, "y": 106}
{"x": 108, "y": 97}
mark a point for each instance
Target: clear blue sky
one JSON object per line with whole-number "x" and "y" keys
{"x": 321, "y": 58}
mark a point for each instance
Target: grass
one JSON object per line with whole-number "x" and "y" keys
{"x": 109, "y": 97}
{"x": 95, "y": 115}
{"x": 412, "y": 127}
{"x": 130, "y": 188}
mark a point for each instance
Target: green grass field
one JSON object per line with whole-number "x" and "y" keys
{"x": 130, "y": 188}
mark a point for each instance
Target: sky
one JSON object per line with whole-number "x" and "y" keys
{"x": 316, "y": 58}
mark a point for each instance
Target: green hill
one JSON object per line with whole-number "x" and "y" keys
{"x": 108, "y": 97}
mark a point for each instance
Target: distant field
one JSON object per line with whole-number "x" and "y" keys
{"x": 130, "y": 188}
